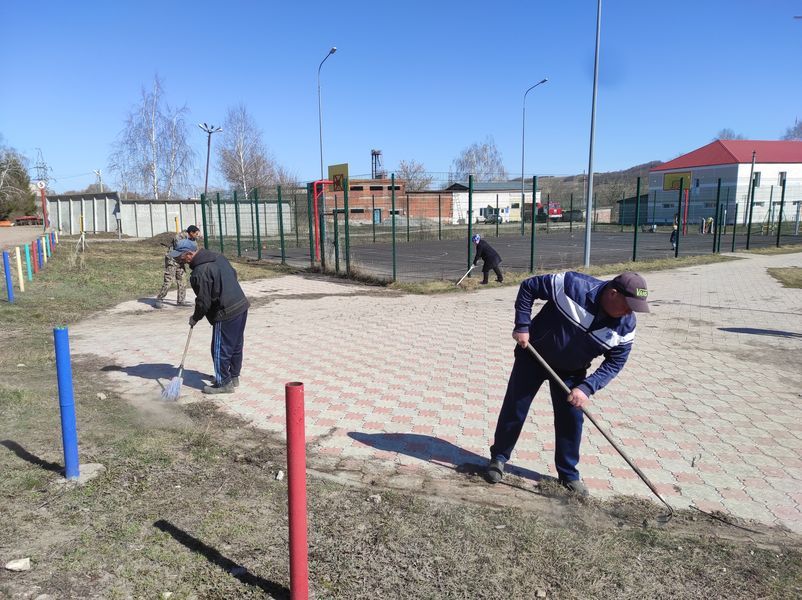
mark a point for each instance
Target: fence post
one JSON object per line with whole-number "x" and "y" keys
{"x": 439, "y": 218}
{"x": 751, "y": 211}
{"x": 310, "y": 216}
{"x": 66, "y": 401}
{"x": 9, "y": 282}
{"x": 281, "y": 226}
{"x": 498, "y": 217}
{"x": 252, "y": 207}
{"x": 636, "y": 221}
{"x": 28, "y": 261}
{"x": 571, "y": 215}
{"x": 220, "y": 223}
{"x": 203, "y": 219}
{"x": 780, "y": 219}
{"x": 534, "y": 226}
{"x": 679, "y": 216}
{"x": 346, "y": 184}
{"x": 718, "y": 208}
{"x": 734, "y": 225}
{"x": 236, "y": 220}
{"x": 548, "y": 214}
{"x": 392, "y": 214}
{"x": 373, "y": 215}
{"x": 295, "y": 219}
{"x": 470, "y": 220}
{"x": 19, "y": 269}
{"x": 258, "y": 233}
{"x": 336, "y": 237}
{"x": 296, "y": 490}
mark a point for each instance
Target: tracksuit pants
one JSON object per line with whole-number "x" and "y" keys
{"x": 525, "y": 380}
{"x": 228, "y": 338}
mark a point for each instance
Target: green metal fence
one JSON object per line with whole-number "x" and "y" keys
{"x": 383, "y": 229}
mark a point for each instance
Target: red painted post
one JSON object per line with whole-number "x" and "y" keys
{"x": 296, "y": 486}
{"x": 35, "y": 257}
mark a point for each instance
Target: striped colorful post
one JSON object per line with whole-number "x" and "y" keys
{"x": 19, "y": 270}
{"x": 7, "y": 273}
{"x": 28, "y": 261}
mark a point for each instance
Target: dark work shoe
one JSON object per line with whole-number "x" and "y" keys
{"x": 500, "y": 280}
{"x": 235, "y": 381}
{"x": 577, "y": 486}
{"x": 482, "y": 283}
{"x": 495, "y": 470}
{"x": 219, "y": 389}
{"x": 158, "y": 304}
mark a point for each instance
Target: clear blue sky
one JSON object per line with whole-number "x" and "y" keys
{"x": 418, "y": 80}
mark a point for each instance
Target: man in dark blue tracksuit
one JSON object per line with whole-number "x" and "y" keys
{"x": 219, "y": 298}
{"x": 583, "y": 318}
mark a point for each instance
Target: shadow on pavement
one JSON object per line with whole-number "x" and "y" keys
{"x": 31, "y": 458}
{"x": 754, "y": 331}
{"x": 437, "y": 451}
{"x": 213, "y": 556}
{"x": 162, "y": 373}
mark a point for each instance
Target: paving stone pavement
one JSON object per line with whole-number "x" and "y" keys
{"x": 405, "y": 388}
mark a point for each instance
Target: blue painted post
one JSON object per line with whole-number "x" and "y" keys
{"x": 28, "y": 262}
{"x": 66, "y": 401}
{"x": 39, "y": 252}
{"x": 7, "y": 272}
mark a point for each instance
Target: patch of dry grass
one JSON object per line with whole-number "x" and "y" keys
{"x": 790, "y": 277}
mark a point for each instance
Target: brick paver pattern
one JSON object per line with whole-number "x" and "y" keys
{"x": 408, "y": 387}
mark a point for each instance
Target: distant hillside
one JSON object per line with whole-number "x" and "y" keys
{"x": 607, "y": 187}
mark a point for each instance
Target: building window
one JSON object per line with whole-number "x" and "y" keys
{"x": 669, "y": 205}
{"x": 697, "y": 183}
{"x": 376, "y": 188}
{"x": 357, "y": 188}
{"x": 759, "y": 203}
{"x": 781, "y": 180}
{"x": 757, "y": 178}
{"x": 710, "y": 204}
{"x": 357, "y": 210}
{"x": 515, "y": 205}
{"x": 395, "y": 212}
{"x": 396, "y": 188}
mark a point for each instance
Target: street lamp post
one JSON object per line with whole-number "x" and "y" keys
{"x": 320, "y": 108}
{"x": 209, "y": 129}
{"x": 589, "y": 199}
{"x": 523, "y": 134}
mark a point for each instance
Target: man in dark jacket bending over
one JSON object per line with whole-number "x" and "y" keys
{"x": 491, "y": 258}
{"x": 583, "y": 318}
{"x": 219, "y": 298}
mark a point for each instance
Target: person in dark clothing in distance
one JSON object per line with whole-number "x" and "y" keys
{"x": 219, "y": 298}
{"x": 491, "y": 259}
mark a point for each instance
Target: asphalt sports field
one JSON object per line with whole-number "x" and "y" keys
{"x": 420, "y": 260}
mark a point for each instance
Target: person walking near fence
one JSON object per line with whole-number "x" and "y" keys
{"x": 583, "y": 318}
{"x": 219, "y": 298}
{"x": 175, "y": 272}
{"x": 491, "y": 259}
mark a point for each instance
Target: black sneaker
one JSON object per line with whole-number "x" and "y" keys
{"x": 495, "y": 470}
{"x": 235, "y": 381}
{"x": 219, "y": 389}
{"x": 577, "y": 486}
{"x": 482, "y": 283}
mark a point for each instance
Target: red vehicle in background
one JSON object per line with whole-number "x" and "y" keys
{"x": 555, "y": 212}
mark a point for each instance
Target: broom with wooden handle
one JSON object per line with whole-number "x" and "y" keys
{"x": 173, "y": 390}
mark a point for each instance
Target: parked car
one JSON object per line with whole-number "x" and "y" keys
{"x": 493, "y": 219}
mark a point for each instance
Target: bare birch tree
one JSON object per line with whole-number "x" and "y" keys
{"x": 15, "y": 190}
{"x": 152, "y": 154}
{"x": 244, "y": 161}
{"x": 414, "y": 175}
{"x": 483, "y": 161}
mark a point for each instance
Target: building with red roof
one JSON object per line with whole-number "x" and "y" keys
{"x": 777, "y": 168}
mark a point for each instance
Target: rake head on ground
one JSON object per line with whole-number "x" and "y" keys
{"x": 173, "y": 390}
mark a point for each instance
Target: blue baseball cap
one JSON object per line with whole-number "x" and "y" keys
{"x": 182, "y": 247}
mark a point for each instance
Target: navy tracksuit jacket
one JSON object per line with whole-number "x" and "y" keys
{"x": 569, "y": 332}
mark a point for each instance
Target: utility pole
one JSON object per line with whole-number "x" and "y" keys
{"x": 99, "y": 174}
